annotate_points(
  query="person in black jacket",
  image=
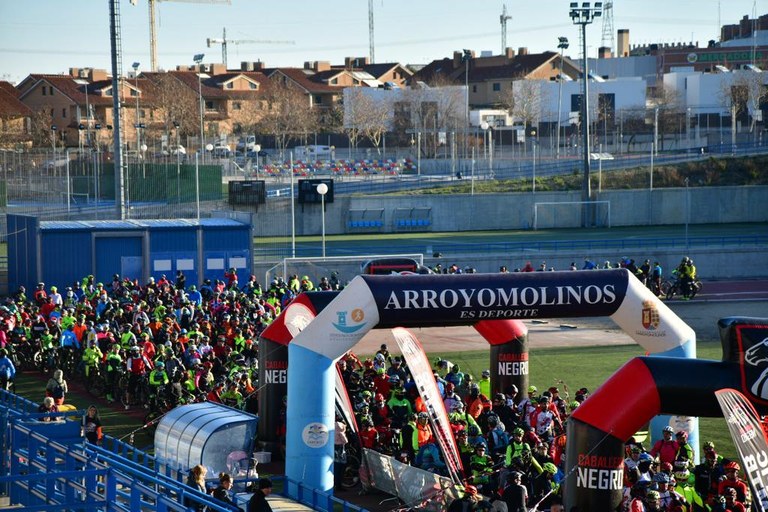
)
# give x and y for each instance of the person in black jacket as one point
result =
(258, 502)
(221, 492)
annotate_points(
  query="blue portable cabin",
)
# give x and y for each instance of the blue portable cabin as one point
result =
(62, 252)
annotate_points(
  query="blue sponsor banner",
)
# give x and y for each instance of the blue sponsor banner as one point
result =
(465, 299)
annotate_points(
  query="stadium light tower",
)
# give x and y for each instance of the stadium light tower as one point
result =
(198, 58)
(562, 45)
(584, 15)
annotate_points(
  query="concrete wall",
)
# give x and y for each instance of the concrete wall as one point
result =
(464, 212)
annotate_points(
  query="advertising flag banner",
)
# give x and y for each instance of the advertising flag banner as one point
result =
(747, 433)
(424, 378)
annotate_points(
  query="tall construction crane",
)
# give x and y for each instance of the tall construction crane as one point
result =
(503, 18)
(152, 25)
(607, 40)
(370, 32)
(224, 42)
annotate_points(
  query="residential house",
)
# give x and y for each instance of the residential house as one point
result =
(15, 118)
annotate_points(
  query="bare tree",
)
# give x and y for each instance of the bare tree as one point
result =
(667, 101)
(174, 102)
(747, 93)
(289, 115)
(370, 114)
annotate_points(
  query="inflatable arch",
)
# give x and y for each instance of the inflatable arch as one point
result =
(646, 386)
(445, 300)
(508, 360)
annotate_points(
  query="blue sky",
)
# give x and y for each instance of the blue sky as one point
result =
(50, 36)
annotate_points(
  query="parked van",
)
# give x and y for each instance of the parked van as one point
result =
(314, 152)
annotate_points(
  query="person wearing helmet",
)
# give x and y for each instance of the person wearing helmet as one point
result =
(158, 382)
(528, 404)
(546, 492)
(684, 450)
(398, 368)
(515, 494)
(91, 358)
(666, 448)
(733, 481)
(630, 462)
(409, 436)
(113, 363)
(423, 429)
(400, 407)
(682, 489)
(507, 414)
(137, 366)
(481, 465)
(653, 501)
(732, 502)
(517, 448)
(455, 376)
(468, 501)
(485, 383)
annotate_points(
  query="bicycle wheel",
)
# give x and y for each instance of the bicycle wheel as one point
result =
(96, 383)
(122, 389)
(671, 290)
(696, 288)
(351, 476)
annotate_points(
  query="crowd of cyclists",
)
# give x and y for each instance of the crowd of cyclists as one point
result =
(151, 346)
(156, 345)
(512, 447)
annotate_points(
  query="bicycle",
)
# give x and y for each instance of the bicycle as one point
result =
(675, 287)
(96, 382)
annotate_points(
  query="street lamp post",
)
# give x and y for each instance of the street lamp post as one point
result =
(135, 67)
(466, 57)
(322, 189)
(178, 164)
(198, 58)
(562, 46)
(584, 15)
(53, 144)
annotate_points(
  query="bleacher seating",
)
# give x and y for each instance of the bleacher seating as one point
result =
(341, 167)
(412, 219)
(366, 220)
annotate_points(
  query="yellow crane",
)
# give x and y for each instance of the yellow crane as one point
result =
(224, 42)
(152, 25)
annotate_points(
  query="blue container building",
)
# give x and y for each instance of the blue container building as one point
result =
(62, 252)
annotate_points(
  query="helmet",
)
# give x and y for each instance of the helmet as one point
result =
(645, 457)
(134, 350)
(423, 416)
(394, 379)
(160, 365)
(518, 431)
(666, 467)
(732, 465)
(550, 468)
(492, 420)
(500, 397)
(364, 394)
(709, 445)
(457, 406)
(653, 495)
(379, 397)
(470, 490)
(473, 430)
(486, 373)
(661, 478)
(682, 435)
(449, 387)
(681, 475)
(668, 429)
(532, 389)
(512, 390)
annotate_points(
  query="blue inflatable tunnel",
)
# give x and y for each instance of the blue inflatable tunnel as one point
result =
(218, 437)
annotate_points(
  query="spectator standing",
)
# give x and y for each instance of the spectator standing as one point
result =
(56, 387)
(7, 370)
(258, 502)
(92, 425)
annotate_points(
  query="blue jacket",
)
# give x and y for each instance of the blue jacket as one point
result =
(6, 368)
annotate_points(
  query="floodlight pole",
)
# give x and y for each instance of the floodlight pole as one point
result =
(562, 45)
(584, 15)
